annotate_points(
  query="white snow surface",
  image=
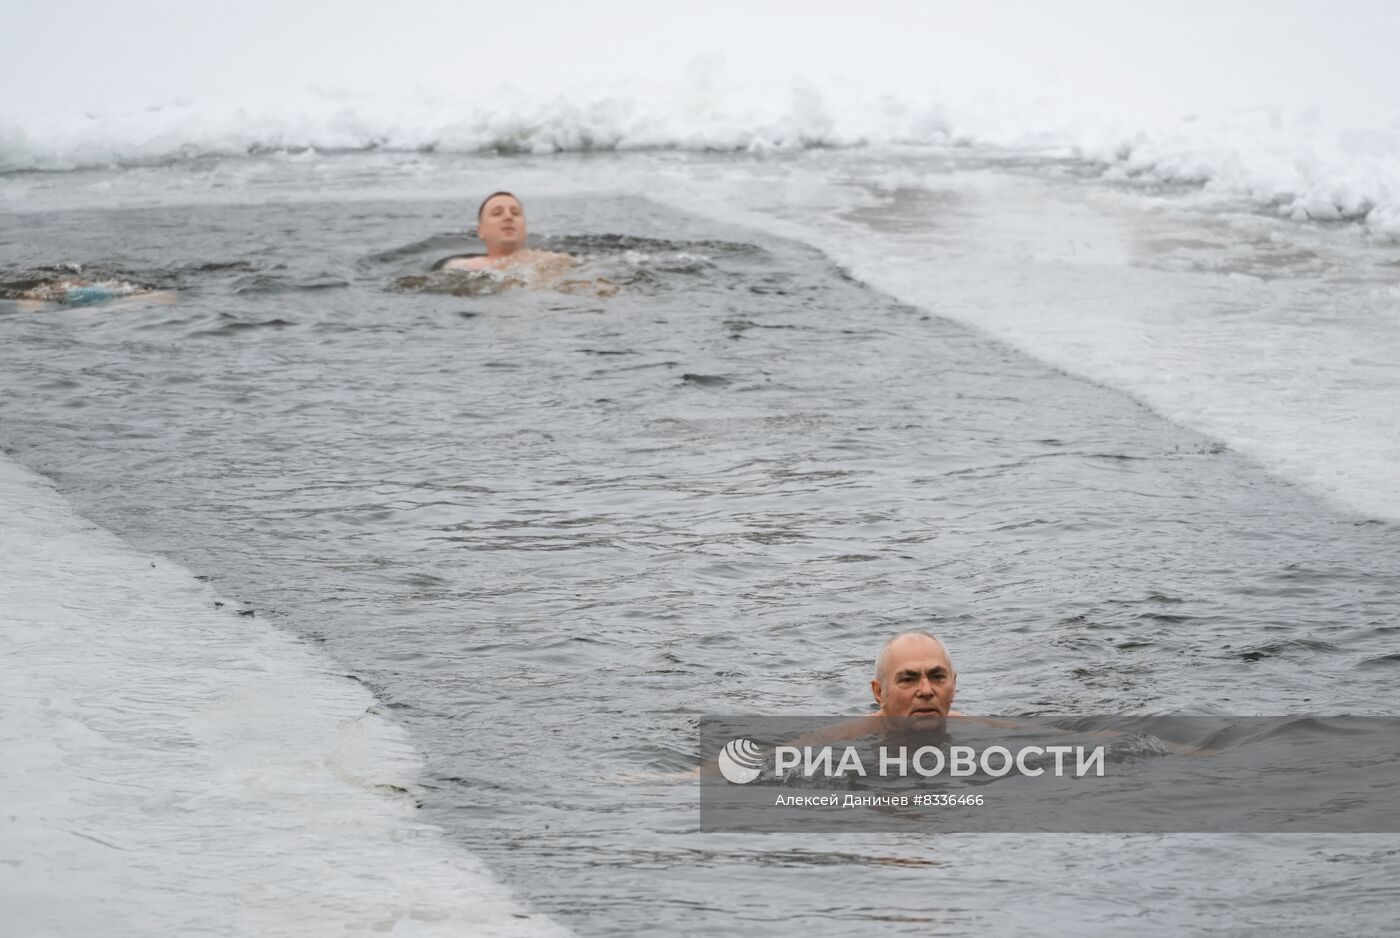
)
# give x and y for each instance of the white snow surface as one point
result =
(172, 768)
(1280, 340)
(1290, 104)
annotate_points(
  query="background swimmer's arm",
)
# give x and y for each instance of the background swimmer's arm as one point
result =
(132, 301)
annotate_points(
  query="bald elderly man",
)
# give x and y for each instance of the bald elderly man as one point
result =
(914, 682)
(914, 677)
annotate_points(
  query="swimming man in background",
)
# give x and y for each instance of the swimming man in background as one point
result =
(500, 224)
(67, 287)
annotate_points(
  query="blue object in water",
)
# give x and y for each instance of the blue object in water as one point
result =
(82, 296)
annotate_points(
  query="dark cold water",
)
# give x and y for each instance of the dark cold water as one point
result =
(551, 530)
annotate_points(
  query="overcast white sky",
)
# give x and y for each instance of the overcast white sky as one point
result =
(1183, 55)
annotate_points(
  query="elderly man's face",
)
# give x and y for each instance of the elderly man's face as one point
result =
(918, 681)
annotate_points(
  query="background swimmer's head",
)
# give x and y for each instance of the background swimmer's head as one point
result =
(500, 224)
(914, 676)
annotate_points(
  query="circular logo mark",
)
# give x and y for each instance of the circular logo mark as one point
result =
(740, 761)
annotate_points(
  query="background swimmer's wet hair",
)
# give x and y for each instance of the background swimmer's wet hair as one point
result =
(482, 207)
(882, 660)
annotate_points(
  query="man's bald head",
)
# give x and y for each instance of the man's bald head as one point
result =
(907, 641)
(914, 675)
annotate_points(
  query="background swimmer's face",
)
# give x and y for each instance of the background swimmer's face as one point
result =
(919, 679)
(502, 224)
